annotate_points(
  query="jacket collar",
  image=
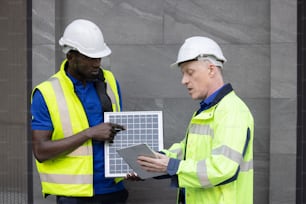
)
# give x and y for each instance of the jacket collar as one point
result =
(223, 91)
(226, 89)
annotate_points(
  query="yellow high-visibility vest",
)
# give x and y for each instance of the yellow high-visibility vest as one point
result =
(70, 174)
(217, 160)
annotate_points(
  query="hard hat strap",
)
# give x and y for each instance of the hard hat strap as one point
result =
(67, 48)
(211, 58)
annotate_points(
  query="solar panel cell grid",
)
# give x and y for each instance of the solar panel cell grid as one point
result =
(141, 127)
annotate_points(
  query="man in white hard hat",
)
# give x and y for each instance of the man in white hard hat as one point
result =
(68, 131)
(214, 162)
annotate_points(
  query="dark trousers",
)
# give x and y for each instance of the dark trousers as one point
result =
(119, 197)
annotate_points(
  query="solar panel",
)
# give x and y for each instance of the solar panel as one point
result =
(142, 127)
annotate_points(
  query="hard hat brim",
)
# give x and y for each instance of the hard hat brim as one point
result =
(106, 52)
(72, 46)
(174, 65)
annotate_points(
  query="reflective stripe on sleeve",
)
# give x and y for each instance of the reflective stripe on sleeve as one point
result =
(178, 152)
(202, 174)
(234, 156)
(246, 166)
(202, 171)
(229, 153)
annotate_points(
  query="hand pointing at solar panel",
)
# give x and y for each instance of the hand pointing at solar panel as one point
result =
(104, 131)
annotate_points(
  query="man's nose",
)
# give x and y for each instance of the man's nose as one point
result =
(184, 79)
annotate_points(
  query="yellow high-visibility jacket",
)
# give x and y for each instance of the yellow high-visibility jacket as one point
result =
(216, 154)
(70, 174)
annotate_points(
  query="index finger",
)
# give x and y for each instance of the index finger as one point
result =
(118, 127)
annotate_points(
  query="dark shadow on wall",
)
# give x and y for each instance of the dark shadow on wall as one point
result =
(301, 93)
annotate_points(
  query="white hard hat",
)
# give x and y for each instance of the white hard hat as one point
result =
(85, 37)
(200, 47)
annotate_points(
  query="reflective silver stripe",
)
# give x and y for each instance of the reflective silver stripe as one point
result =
(66, 179)
(62, 106)
(202, 174)
(81, 151)
(201, 129)
(65, 117)
(112, 97)
(235, 156)
(229, 153)
(178, 152)
(246, 166)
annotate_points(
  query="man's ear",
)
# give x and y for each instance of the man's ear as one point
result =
(69, 55)
(211, 69)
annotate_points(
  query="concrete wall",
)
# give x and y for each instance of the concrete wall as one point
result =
(258, 39)
(13, 104)
(283, 101)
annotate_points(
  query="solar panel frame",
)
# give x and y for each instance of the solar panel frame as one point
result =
(142, 127)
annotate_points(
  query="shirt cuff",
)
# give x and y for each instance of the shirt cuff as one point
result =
(173, 166)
